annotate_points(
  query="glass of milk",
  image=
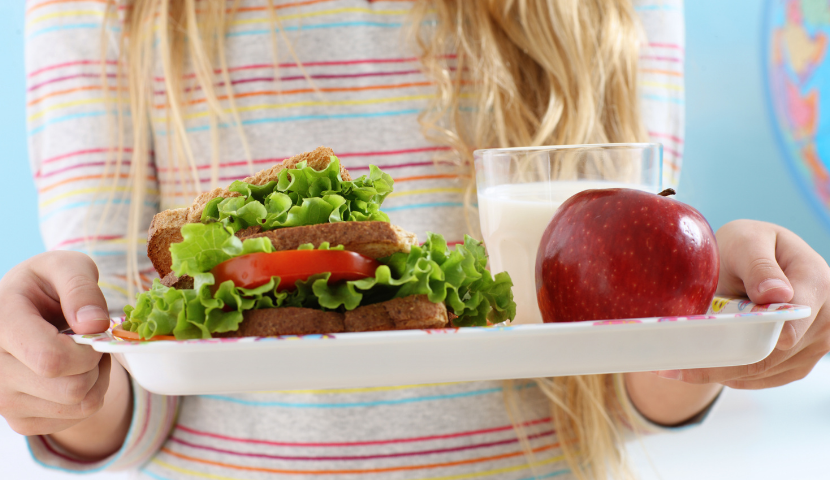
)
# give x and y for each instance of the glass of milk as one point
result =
(519, 190)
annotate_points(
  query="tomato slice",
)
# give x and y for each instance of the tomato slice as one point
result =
(132, 336)
(256, 269)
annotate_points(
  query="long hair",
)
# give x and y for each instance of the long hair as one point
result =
(529, 73)
(553, 72)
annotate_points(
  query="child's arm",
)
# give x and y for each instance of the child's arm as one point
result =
(77, 407)
(50, 384)
(769, 264)
(103, 433)
(668, 402)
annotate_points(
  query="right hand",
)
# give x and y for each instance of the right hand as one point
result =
(48, 382)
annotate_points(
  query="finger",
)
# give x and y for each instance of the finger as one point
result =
(809, 355)
(810, 276)
(73, 277)
(69, 390)
(22, 405)
(40, 347)
(725, 374)
(39, 426)
(783, 378)
(748, 253)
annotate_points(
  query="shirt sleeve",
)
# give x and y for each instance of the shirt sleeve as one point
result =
(153, 419)
(83, 196)
(661, 80)
(73, 134)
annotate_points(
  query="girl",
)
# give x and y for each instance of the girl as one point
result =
(179, 96)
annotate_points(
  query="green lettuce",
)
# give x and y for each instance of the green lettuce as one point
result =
(207, 245)
(199, 312)
(185, 313)
(303, 196)
(457, 278)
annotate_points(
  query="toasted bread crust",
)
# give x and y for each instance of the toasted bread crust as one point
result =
(416, 311)
(370, 318)
(318, 159)
(183, 282)
(288, 321)
(164, 231)
(166, 226)
(373, 239)
(413, 312)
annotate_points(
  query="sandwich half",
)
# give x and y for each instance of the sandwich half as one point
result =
(302, 248)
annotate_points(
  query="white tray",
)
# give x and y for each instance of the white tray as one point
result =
(735, 332)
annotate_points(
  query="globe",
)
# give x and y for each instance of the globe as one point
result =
(798, 87)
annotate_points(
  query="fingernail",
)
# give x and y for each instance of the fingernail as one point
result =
(771, 284)
(91, 313)
(670, 374)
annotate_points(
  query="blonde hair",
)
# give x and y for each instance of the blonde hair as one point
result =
(553, 72)
(535, 72)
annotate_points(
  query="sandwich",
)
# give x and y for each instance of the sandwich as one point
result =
(302, 248)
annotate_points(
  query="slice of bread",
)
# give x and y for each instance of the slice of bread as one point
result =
(271, 322)
(413, 312)
(373, 239)
(166, 226)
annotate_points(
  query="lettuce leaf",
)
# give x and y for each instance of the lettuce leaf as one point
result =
(303, 196)
(197, 312)
(457, 278)
(185, 313)
(207, 245)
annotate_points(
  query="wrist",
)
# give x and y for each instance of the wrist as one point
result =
(668, 402)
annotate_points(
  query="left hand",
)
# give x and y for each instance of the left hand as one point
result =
(771, 264)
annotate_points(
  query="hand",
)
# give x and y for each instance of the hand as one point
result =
(48, 382)
(770, 264)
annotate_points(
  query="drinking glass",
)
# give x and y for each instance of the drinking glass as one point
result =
(519, 190)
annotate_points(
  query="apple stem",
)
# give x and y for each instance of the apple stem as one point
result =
(667, 192)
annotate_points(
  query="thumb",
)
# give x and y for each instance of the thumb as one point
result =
(754, 264)
(768, 284)
(73, 278)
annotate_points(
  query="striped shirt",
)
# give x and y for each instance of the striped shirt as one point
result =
(370, 93)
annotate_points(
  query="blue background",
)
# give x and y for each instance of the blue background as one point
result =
(20, 238)
(733, 167)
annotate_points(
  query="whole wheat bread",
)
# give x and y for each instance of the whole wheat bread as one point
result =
(166, 226)
(412, 312)
(373, 239)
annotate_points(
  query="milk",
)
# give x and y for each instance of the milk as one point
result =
(513, 219)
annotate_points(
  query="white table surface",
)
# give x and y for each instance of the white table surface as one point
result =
(776, 434)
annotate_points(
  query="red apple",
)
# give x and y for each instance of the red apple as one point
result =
(622, 253)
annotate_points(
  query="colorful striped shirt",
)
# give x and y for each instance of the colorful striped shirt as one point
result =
(366, 95)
